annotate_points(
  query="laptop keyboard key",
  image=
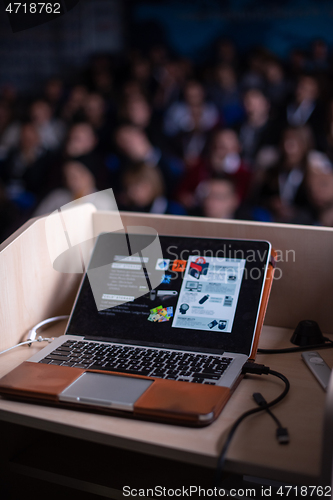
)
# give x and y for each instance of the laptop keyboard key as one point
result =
(59, 358)
(206, 375)
(122, 370)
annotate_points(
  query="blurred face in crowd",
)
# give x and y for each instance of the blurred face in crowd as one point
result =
(41, 112)
(78, 178)
(132, 89)
(158, 54)
(103, 80)
(133, 142)
(319, 180)
(29, 137)
(297, 59)
(307, 89)
(81, 141)
(54, 89)
(320, 187)
(141, 69)
(256, 105)
(221, 200)
(138, 111)
(320, 50)
(143, 186)
(194, 93)
(225, 142)
(78, 96)
(94, 108)
(5, 115)
(226, 50)
(295, 146)
(274, 72)
(226, 76)
(141, 193)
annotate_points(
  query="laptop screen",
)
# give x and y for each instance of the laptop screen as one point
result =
(185, 292)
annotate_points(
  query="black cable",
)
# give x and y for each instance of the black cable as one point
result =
(261, 401)
(282, 434)
(297, 349)
(257, 370)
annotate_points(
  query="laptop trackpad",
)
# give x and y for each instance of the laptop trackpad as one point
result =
(112, 391)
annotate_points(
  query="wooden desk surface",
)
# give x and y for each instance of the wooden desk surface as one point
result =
(254, 449)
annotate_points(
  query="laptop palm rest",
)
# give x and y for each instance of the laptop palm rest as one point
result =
(111, 391)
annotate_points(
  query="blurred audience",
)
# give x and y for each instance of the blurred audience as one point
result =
(243, 135)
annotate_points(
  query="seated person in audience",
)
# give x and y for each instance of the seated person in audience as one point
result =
(253, 77)
(319, 183)
(170, 77)
(189, 122)
(81, 140)
(27, 168)
(259, 129)
(82, 146)
(137, 111)
(95, 112)
(133, 145)
(79, 180)
(226, 52)
(73, 108)
(329, 129)
(54, 93)
(99, 76)
(9, 215)
(51, 130)
(219, 198)
(140, 71)
(144, 191)
(283, 188)
(306, 109)
(9, 130)
(278, 88)
(225, 94)
(319, 61)
(223, 158)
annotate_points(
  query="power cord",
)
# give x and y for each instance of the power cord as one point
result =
(298, 349)
(255, 369)
(33, 332)
(282, 434)
(28, 342)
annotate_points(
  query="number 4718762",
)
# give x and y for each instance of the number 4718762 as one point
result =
(33, 8)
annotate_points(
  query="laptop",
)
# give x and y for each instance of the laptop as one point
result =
(160, 329)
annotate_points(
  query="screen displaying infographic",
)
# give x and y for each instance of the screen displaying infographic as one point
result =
(209, 294)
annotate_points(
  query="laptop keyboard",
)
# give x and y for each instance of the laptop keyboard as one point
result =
(160, 363)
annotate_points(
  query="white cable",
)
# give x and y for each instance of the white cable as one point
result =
(33, 332)
(39, 339)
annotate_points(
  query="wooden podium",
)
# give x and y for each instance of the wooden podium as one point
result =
(31, 290)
